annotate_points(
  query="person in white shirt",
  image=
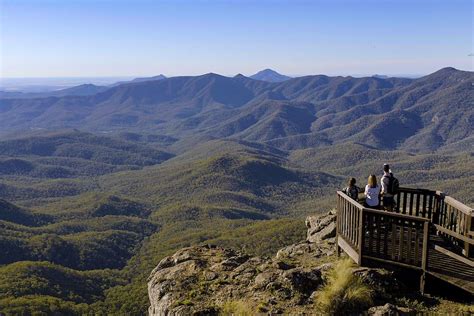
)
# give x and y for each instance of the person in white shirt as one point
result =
(387, 196)
(372, 193)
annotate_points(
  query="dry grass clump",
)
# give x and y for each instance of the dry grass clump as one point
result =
(344, 291)
(236, 308)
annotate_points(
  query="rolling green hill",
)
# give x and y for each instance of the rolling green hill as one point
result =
(233, 193)
(201, 196)
(64, 158)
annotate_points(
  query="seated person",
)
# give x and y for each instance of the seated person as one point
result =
(372, 193)
(352, 190)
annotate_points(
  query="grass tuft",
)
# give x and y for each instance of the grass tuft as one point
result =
(344, 291)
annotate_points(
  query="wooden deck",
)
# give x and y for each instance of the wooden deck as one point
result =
(428, 232)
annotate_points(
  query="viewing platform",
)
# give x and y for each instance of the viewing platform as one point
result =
(427, 231)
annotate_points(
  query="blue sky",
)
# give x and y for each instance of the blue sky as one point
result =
(140, 38)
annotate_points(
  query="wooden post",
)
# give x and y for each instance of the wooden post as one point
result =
(417, 208)
(439, 208)
(398, 202)
(338, 217)
(424, 258)
(361, 234)
(400, 244)
(404, 202)
(467, 229)
(422, 282)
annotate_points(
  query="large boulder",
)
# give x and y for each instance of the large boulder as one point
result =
(320, 241)
(321, 227)
(383, 282)
(201, 280)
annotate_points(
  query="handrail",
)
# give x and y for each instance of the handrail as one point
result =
(392, 214)
(351, 200)
(416, 190)
(458, 205)
(454, 234)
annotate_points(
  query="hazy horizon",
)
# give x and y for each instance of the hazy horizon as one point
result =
(86, 38)
(227, 75)
(43, 84)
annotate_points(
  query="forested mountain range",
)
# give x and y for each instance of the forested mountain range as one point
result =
(422, 114)
(96, 189)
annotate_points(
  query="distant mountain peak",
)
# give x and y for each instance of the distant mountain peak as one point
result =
(448, 69)
(211, 74)
(447, 73)
(158, 77)
(269, 75)
(140, 79)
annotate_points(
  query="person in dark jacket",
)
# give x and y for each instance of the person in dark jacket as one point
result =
(386, 184)
(352, 190)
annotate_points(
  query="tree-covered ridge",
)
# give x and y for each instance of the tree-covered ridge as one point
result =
(41, 287)
(70, 154)
(206, 197)
(424, 114)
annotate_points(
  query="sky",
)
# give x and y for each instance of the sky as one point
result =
(87, 38)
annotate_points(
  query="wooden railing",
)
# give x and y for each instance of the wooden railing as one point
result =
(455, 223)
(373, 234)
(349, 224)
(393, 237)
(417, 202)
(402, 236)
(452, 218)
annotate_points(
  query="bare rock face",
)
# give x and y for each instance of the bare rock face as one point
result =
(202, 280)
(321, 227)
(320, 241)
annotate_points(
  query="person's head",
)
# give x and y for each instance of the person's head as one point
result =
(386, 167)
(372, 181)
(352, 182)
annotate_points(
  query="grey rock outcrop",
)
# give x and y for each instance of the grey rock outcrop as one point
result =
(203, 280)
(321, 227)
(197, 280)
